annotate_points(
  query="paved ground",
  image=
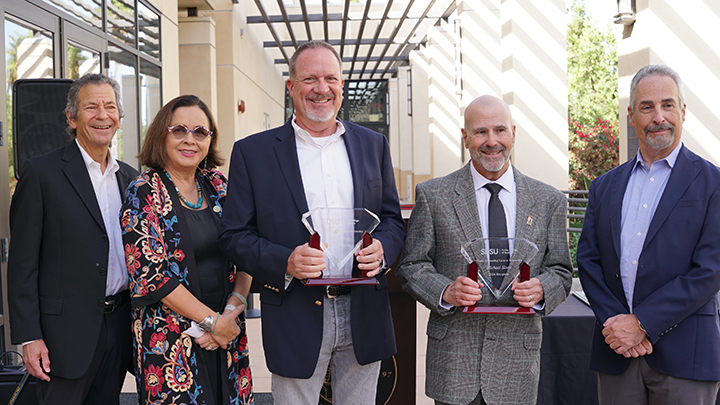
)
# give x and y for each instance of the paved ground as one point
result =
(261, 375)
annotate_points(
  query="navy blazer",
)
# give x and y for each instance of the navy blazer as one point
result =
(262, 225)
(58, 258)
(676, 292)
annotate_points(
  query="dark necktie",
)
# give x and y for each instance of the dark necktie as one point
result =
(497, 228)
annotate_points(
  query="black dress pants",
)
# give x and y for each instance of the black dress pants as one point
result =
(103, 380)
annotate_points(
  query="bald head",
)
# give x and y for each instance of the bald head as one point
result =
(487, 105)
(489, 135)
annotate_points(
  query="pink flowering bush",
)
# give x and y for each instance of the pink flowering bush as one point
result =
(593, 150)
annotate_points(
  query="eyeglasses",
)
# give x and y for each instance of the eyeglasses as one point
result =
(180, 131)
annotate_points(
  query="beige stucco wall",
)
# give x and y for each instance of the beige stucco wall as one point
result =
(420, 130)
(169, 47)
(244, 75)
(394, 127)
(222, 61)
(411, 143)
(405, 139)
(511, 49)
(535, 85)
(196, 36)
(686, 37)
(257, 80)
(443, 103)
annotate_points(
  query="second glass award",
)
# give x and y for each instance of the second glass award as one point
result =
(496, 263)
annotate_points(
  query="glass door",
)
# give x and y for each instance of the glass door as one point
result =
(30, 46)
(84, 51)
(29, 54)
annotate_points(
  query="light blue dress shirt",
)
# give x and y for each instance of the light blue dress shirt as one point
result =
(642, 195)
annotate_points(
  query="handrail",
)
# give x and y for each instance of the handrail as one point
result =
(576, 207)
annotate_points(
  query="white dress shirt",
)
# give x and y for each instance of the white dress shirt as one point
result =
(325, 169)
(107, 193)
(326, 175)
(507, 196)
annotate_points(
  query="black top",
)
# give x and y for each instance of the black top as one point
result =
(209, 262)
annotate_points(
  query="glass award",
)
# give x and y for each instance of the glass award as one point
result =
(339, 233)
(496, 263)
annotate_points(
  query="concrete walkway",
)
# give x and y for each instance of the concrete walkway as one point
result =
(261, 375)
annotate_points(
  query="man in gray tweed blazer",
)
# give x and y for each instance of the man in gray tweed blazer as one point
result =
(477, 358)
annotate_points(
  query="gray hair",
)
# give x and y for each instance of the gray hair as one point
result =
(314, 44)
(659, 70)
(95, 79)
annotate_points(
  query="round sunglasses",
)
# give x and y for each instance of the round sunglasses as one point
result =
(180, 131)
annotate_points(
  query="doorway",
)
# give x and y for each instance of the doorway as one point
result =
(37, 44)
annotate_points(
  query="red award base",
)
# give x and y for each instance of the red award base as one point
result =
(498, 310)
(362, 280)
(479, 309)
(340, 281)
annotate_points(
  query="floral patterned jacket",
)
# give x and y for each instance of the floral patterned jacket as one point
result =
(167, 366)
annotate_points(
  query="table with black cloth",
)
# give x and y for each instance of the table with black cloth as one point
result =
(565, 356)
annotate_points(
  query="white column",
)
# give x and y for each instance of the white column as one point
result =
(534, 84)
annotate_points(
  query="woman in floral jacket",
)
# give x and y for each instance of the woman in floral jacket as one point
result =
(190, 342)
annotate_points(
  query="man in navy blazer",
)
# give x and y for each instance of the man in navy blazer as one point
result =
(649, 259)
(314, 160)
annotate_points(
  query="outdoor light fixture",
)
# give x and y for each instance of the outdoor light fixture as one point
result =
(626, 12)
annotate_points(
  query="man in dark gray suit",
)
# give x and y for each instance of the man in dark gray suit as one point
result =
(478, 358)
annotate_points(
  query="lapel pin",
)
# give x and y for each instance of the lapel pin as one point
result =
(529, 220)
(216, 209)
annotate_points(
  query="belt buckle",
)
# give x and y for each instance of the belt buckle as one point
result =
(341, 290)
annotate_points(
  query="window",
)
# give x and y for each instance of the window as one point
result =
(150, 95)
(148, 31)
(82, 61)
(123, 69)
(89, 11)
(29, 54)
(121, 20)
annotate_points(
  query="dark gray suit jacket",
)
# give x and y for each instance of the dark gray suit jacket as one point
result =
(467, 352)
(58, 258)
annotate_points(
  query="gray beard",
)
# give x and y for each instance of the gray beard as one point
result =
(488, 164)
(493, 166)
(314, 117)
(660, 142)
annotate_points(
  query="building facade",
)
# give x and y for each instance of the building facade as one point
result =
(513, 49)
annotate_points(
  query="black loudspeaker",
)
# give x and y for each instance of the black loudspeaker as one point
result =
(38, 112)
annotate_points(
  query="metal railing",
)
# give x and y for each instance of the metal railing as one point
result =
(577, 206)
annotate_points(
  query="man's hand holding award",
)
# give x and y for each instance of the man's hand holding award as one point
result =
(339, 233)
(495, 263)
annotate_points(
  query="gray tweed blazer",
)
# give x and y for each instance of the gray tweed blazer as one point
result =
(467, 352)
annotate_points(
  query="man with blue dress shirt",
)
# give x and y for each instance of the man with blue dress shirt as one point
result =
(649, 259)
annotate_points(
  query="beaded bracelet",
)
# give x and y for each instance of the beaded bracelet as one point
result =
(215, 323)
(240, 297)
